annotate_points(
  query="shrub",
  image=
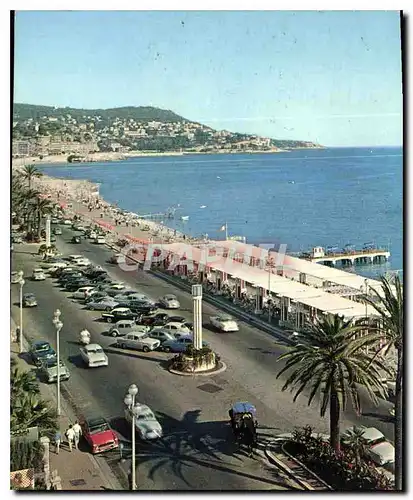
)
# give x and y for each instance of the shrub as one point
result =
(340, 471)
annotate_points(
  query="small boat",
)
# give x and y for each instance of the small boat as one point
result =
(202, 206)
(185, 217)
(218, 177)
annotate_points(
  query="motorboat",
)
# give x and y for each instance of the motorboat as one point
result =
(185, 217)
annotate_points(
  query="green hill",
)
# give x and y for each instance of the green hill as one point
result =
(139, 113)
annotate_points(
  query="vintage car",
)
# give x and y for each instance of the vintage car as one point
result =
(139, 341)
(38, 275)
(48, 370)
(179, 344)
(224, 323)
(169, 302)
(93, 356)
(124, 326)
(83, 292)
(15, 277)
(98, 434)
(29, 300)
(378, 449)
(174, 327)
(119, 313)
(100, 240)
(76, 240)
(41, 350)
(100, 302)
(146, 424)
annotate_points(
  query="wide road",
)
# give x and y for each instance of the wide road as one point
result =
(195, 453)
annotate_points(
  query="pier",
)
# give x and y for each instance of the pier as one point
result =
(347, 257)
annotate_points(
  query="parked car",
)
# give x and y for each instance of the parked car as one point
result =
(158, 319)
(72, 258)
(124, 326)
(169, 302)
(94, 356)
(174, 328)
(29, 300)
(82, 292)
(118, 258)
(15, 277)
(119, 313)
(57, 231)
(38, 275)
(161, 335)
(53, 262)
(101, 304)
(72, 286)
(224, 323)
(176, 319)
(146, 424)
(180, 344)
(139, 341)
(70, 276)
(100, 240)
(41, 350)
(81, 262)
(76, 240)
(96, 294)
(378, 449)
(48, 370)
(124, 295)
(98, 434)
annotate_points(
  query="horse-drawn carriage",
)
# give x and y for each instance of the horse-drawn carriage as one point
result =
(243, 420)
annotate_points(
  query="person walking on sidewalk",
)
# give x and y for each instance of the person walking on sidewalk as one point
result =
(70, 436)
(57, 441)
(78, 432)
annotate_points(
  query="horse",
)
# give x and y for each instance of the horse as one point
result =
(248, 434)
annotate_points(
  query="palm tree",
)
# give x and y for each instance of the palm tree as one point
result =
(390, 307)
(29, 410)
(21, 383)
(331, 361)
(354, 439)
(43, 207)
(29, 173)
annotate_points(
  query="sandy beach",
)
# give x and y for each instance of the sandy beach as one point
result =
(81, 197)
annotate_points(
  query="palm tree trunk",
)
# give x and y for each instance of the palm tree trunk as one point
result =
(398, 429)
(334, 420)
(39, 220)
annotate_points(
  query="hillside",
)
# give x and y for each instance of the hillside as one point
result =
(139, 113)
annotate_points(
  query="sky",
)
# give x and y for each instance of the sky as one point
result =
(331, 77)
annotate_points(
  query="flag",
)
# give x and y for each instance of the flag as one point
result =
(223, 228)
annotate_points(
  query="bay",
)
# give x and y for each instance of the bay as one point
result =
(303, 198)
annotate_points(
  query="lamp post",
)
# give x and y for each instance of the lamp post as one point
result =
(197, 309)
(21, 283)
(130, 403)
(59, 325)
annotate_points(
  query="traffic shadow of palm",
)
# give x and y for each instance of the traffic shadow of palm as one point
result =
(188, 443)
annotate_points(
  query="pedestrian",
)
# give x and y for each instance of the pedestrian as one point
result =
(57, 441)
(18, 335)
(70, 436)
(78, 432)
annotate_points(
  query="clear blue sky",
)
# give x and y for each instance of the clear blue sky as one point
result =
(329, 77)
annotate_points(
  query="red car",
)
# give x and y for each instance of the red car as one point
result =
(99, 435)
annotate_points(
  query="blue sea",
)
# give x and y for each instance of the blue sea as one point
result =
(303, 198)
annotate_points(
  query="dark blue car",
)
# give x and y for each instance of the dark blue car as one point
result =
(180, 344)
(41, 350)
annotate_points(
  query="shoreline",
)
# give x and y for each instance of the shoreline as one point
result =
(58, 160)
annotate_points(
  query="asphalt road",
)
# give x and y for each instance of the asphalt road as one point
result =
(196, 452)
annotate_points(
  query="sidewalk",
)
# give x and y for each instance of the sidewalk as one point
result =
(78, 470)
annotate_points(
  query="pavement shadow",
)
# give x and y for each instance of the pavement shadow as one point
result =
(150, 356)
(77, 361)
(188, 443)
(25, 356)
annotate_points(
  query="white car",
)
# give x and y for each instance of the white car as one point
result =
(67, 222)
(72, 258)
(100, 240)
(224, 323)
(82, 262)
(38, 275)
(174, 327)
(139, 341)
(93, 355)
(102, 304)
(82, 292)
(93, 235)
(15, 278)
(118, 285)
(146, 424)
(378, 449)
(169, 302)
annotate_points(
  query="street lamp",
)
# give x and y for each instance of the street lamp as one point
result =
(130, 403)
(21, 283)
(59, 325)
